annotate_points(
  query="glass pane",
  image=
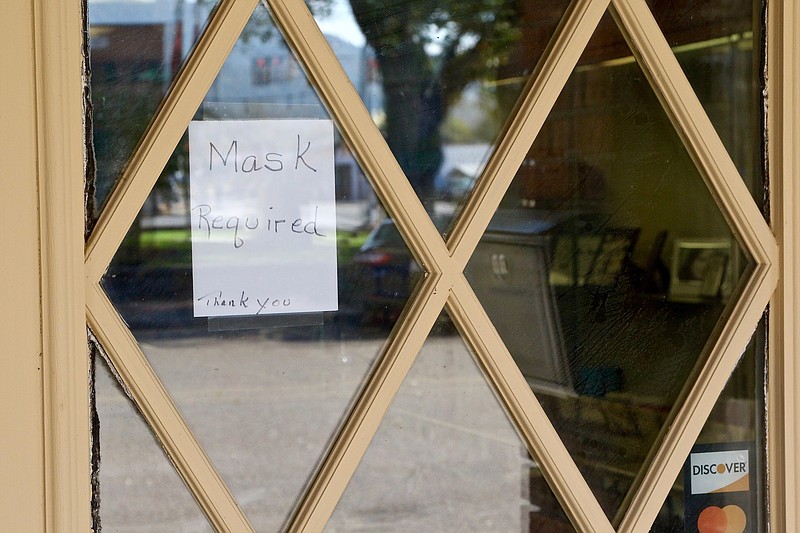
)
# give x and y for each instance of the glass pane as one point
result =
(717, 45)
(139, 488)
(737, 422)
(136, 49)
(263, 393)
(607, 267)
(440, 79)
(446, 458)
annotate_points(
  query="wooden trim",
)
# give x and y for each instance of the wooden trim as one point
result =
(525, 411)
(401, 202)
(360, 133)
(783, 134)
(543, 442)
(718, 170)
(383, 382)
(139, 176)
(698, 401)
(548, 80)
(444, 266)
(164, 133)
(22, 506)
(689, 118)
(59, 93)
(162, 416)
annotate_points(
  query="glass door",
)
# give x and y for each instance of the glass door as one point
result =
(427, 266)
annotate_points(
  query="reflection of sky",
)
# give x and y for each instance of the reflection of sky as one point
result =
(341, 23)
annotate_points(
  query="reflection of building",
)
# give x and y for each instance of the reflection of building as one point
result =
(127, 35)
(267, 72)
(136, 50)
(461, 165)
(152, 38)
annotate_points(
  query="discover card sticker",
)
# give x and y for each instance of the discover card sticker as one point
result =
(719, 489)
(726, 471)
(263, 217)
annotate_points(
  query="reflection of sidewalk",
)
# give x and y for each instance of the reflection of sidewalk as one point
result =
(264, 409)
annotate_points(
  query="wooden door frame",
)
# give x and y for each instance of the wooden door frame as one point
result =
(44, 382)
(21, 408)
(44, 386)
(783, 136)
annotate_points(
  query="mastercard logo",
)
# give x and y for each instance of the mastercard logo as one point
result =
(729, 519)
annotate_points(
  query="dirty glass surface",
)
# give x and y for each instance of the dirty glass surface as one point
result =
(608, 267)
(440, 80)
(263, 394)
(446, 457)
(135, 50)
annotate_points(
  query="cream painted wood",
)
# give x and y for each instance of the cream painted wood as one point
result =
(59, 122)
(163, 417)
(359, 428)
(149, 158)
(783, 128)
(400, 201)
(695, 129)
(525, 412)
(58, 147)
(376, 158)
(548, 80)
(22, 505)
(361, 133)
(687, 115)
(544, 444)
(718, 170)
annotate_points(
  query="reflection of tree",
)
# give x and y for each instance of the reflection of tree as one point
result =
(428, 52)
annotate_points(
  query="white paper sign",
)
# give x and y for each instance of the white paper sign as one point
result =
(263, 217)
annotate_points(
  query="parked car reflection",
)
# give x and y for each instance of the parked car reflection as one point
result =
(386, 271)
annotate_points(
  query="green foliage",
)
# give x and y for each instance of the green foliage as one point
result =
(168, 247)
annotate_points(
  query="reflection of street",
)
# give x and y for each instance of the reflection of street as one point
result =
(445, 458)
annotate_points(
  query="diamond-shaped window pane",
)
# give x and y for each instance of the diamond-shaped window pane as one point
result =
(607, 267)
(736, 423)
(716, 44)
(137, 485)
(446, 458)
(263, 394)
(135, 51)
(440, 80)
